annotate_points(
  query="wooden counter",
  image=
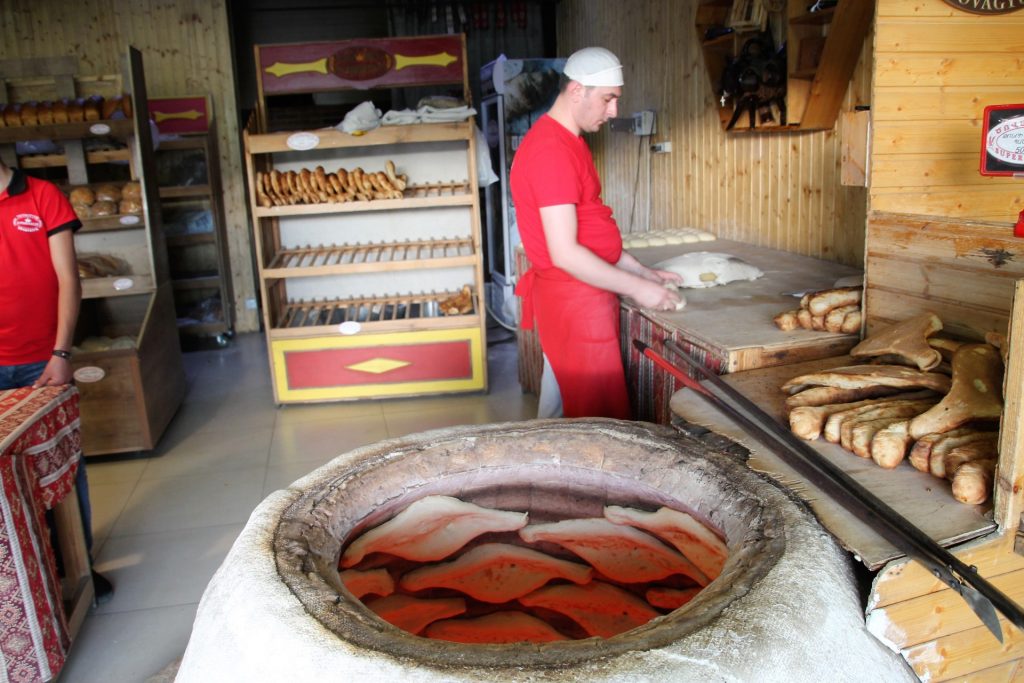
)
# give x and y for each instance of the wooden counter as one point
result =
(729, 327)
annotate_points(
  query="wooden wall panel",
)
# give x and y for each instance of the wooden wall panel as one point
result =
(781, 191)
(186, 50)
(936, 69)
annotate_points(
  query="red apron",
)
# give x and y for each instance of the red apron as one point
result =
(578, 326)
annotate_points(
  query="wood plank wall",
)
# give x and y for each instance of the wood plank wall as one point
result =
(186, 50)
(776, 190)
(936, 69)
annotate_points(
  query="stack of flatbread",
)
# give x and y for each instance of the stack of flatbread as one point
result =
(935, 399)
(452, 570)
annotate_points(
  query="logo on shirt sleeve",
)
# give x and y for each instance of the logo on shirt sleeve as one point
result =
(28, 222)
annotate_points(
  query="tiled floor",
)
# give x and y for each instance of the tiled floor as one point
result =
(163, 523)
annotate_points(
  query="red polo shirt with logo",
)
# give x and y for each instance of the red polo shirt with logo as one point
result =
(31, 210)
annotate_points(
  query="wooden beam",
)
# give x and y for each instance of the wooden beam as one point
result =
(935, 615)
(905, 579)
(1009, 487)
(842, 50)
(959, 654)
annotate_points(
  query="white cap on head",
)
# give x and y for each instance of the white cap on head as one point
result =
(594, 66)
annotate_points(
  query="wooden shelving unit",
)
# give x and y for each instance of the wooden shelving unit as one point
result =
(192, 201)
(129, 390)
(377, 298)
(822, 49)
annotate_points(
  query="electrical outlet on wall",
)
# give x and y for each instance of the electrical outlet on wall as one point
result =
(643, 122)
(621, 125)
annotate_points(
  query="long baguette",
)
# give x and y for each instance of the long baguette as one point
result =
(972, 483)
(889, 446)
(822, 302)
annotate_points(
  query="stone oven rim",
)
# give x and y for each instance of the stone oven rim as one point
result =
(307, 571)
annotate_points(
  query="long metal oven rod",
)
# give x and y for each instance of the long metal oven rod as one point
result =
(982, 597)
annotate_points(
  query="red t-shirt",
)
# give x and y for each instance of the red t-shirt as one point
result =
(30, 211)
(553, 167)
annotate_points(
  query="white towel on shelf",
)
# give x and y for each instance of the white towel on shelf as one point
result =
(401, 117)
(430, 114)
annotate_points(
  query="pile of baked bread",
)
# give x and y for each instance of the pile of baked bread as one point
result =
(828, 310)
(934, 399)
(108, 199)
(458, 304)
(67, 110)
(276, 188)
(101, 265)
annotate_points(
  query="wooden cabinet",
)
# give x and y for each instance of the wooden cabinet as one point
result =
(816, 55)
(127, 359)
(376, 294)
(191, 201)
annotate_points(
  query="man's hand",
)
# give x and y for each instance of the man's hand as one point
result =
(669, 276)
(56, 373)
(655, 296)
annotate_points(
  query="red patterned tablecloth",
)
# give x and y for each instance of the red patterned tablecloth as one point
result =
(40, 450)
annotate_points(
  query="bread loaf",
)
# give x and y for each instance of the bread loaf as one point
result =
(972, 483)
(60, 111)
(76, 111)
(45, 112)
(30, 114)
(132, 190)
(104, 208)
(108, 193)
(82, 195)
(110, 105)
(92, 108)
(822, 302)
(83, 211)
(12, 115)
(132, 206)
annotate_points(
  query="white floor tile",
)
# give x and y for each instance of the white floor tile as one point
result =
(108, 502)
(163, 569)
(317, 441)
(211, 451)
(342, 410)
(116, 472)
(424, 417)
(128, 647)
(191, 502)
(231, 411)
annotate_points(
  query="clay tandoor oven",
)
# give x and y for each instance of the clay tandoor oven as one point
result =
(783, 606)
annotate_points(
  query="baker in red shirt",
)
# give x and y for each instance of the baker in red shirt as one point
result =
(578, 267)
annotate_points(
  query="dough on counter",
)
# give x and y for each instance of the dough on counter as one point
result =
(657, 241)
(706, 236)
(640, 242)
(674, 238)
(707, 269)
(690, 238)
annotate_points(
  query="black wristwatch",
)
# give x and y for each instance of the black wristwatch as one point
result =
(61, 353)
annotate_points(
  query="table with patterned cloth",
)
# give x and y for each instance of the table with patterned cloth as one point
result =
(40, 451)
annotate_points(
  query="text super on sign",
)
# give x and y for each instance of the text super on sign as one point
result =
(1002, 145)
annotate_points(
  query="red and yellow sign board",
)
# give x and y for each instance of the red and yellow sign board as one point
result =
(361, 64)
(378, 365)
(175, 115)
